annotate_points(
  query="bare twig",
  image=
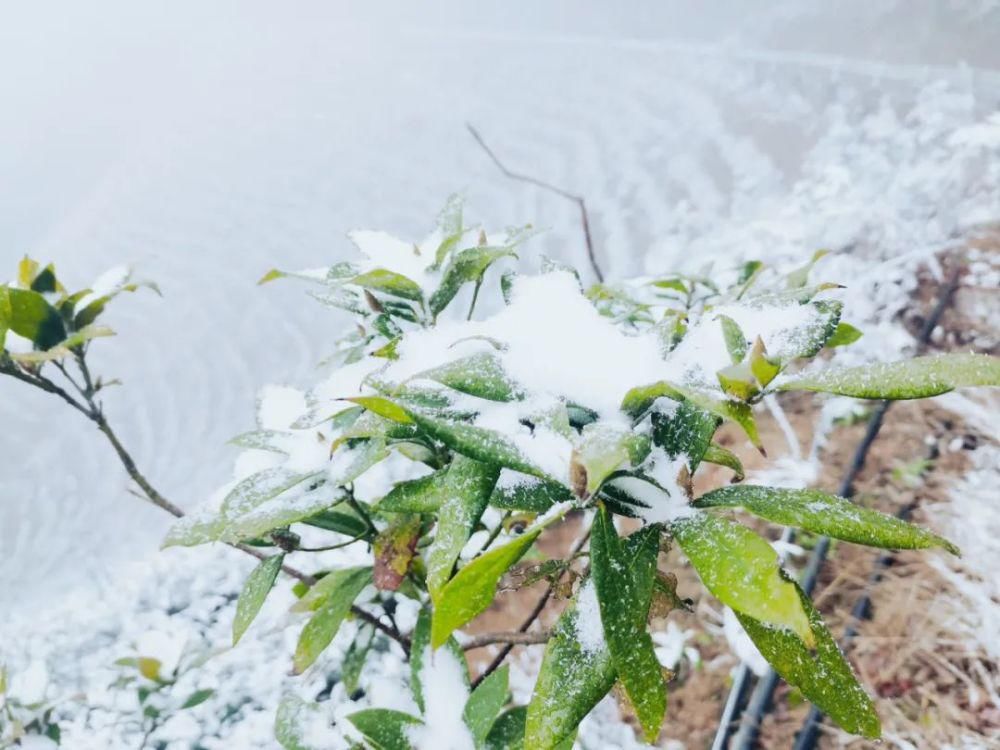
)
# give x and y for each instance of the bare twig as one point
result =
(39, 381)
(578, 199)
(514, 638)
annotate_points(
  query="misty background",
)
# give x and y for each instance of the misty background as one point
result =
(204, 145)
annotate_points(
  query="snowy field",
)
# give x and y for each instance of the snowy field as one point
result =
(206, 146)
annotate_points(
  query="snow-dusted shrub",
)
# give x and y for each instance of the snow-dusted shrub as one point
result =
(599, 402)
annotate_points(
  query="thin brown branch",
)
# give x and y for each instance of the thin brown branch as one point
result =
(516, 638)
(578, 199)
(532, 616)
(127, 461)
(39, 381)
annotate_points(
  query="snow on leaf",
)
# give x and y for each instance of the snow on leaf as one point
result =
(466, 489)
(517, 491)
(293, 723)
(820, 671)
(385, 729)
(826, 514)
(822, 513)
(341, 591)
(920, 377)
(571, 681)
(623, 574)
(481, 375)
(254, 592)
(480, 443)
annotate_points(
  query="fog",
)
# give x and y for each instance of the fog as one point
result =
(206, 145)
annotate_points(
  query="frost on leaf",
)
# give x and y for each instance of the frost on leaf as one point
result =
(825, 514)
(742, 571)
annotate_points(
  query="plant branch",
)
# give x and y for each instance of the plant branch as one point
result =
(39, 381)
(584, 218)
(518, 638)
(532, 616)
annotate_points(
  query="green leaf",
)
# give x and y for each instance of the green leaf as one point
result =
(90, 313)
(389, 282)
(347, 465)
(623, 574)
(251, 492)
(820, 513)
(742, 571)
(508, 732)
(674, 284)
(320, 591)
(254, 592)
(638, 400)
(450, 227)
(571, 681)
(292, 721)
(488, 446)
(738, 381)
(736, 341)
(342, 587)
(465, 266)
(525, 492)
(484, 704)
(198, 697)
(383, 407)
(263, 501)
(479, 375)
(466, 491)
(420, 495)
(687, 431)
(339, 521)
(30, 315)
(354, 660)
(601, 450)
(843, 335)
(472, 589)
(800, 277)
(763, 369)
(45, 281)
(383, 728)
(262, 440)
(920, 377)
(716, 454)
(813, 336)
(820, 672)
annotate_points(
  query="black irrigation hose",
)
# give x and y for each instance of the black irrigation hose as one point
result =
(760, 699)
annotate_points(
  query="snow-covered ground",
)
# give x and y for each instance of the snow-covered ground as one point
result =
(206, 146)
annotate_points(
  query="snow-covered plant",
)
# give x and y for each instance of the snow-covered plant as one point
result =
(26, 717)
(444, 446)
(155, 683)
